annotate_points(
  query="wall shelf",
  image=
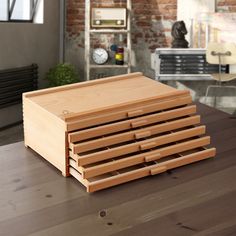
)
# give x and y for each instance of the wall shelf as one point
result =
(89, 31)
(109, 31)
(108, 66)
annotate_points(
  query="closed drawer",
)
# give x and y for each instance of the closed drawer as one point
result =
(126, 112)
(141, 170)
(136, 134)
(111, 152)
(124, 125)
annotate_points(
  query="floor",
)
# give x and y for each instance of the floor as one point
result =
(197, 199)
(11, 134)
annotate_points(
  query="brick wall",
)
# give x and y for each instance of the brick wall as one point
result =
(226, 5)
(151, 25)
(151, 21)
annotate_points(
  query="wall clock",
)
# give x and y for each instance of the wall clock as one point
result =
(100, 56)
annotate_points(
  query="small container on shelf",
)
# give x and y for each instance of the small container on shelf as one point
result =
(120, 56)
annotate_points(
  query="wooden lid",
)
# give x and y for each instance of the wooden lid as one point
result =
(98, 94)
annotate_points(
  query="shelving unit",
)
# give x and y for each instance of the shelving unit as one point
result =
(89, 31)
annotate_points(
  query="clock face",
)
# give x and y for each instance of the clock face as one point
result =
(100, 56)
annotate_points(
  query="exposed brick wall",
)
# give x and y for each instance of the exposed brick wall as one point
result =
(75, 12)
(151, 20)
(226, 5)
(151, 24)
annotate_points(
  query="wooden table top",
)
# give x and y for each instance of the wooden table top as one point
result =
(197, 199)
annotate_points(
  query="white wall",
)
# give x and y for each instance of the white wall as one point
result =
(192, 10)
(26, 43)
(22, 44)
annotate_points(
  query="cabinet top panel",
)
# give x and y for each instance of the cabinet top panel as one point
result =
(99, 94)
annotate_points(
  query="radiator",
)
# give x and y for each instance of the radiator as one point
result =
(14, 82)
(184, 64)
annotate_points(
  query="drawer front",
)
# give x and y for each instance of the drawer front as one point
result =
(115, 127)
(96, 156)
(99, 118)
(159, 153)
(139, 171)
(106, 149)
(134, 134)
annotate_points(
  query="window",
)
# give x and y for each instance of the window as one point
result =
(20, 10)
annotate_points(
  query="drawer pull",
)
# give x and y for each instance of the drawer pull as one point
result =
(158, 170)
(138, 123)
(147, 145)
(153, 157)
(135, 113)
(142, 134)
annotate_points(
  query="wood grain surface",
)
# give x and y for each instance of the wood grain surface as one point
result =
(97, 94)
(197, 199)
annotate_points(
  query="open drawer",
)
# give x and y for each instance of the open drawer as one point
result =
(109, 152)
(95, 169)
(141, 170)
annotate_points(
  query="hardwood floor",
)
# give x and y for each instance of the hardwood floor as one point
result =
(11, 134)
(198, 199)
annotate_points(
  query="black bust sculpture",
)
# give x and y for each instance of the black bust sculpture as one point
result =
(178, 33)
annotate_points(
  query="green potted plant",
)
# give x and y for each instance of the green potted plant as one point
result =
(62, 74)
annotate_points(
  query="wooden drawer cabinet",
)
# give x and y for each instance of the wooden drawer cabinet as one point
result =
(110, 131)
